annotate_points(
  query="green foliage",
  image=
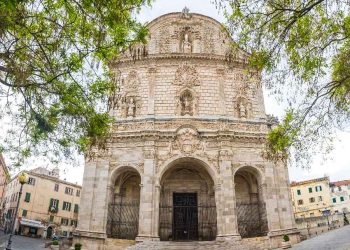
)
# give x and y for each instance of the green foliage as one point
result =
(286, 237)
(55, 242)
(77, 246)
(280, 138)
(302, 49)
(54, 75)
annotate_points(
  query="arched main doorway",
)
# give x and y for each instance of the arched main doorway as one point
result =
(251, 209)
(124, 204)
(187, 202)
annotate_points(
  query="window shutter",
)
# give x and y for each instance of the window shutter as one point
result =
(69, 207)
(57, 205)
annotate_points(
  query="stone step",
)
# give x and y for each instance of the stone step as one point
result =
(257, 244)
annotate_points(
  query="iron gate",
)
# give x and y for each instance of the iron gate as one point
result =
(252, 220)
(123, 220)
(185, 220)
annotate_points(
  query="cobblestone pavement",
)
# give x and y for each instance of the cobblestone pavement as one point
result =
(338, 239)
(22, 243)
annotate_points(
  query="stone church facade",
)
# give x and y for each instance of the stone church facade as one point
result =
(183, 161)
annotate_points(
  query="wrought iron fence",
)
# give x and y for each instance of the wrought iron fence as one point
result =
(252, 219)
(123, 220)
(200, 222)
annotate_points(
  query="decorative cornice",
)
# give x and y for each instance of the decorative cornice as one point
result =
(182, 56)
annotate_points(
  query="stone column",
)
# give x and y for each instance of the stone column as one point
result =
(100, 197)
(151, 87)
(91, 230)
(221, 77)
(225, 200)
(85, 206)
(149, 208)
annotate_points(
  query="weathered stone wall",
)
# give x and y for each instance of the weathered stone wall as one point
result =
(186, 100)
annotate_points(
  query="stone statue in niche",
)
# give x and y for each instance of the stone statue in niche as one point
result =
(186, 101)
(242, 111)
(243, 107)
(186, 44)
(131, 108)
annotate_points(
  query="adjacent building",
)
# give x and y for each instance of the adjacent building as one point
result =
(311, 198)
(340, 193)
(4, 180)
(48, 205)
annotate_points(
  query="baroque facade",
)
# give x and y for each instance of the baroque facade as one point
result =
(183, 161)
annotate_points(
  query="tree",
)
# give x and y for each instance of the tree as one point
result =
(302, 49)
(54, 77)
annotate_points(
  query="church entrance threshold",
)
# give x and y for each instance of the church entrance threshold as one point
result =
(185, 216)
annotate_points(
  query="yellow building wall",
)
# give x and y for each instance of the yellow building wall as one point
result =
(308, 208)
(40, 195)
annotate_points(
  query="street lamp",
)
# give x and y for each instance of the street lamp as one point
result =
(22, 178)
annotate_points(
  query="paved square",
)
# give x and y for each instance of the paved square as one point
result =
(337, 239)
(22, 243)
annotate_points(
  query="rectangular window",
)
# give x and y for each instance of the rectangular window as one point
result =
(69, 191)
(53, 205)
(310, 190)
(300, 202)
(31, 181)
(78, 193)
(319, 198)
(341, 198)
(334, 200)
(52, 218)
(24, 213)
(73, 223)
(298, 192)
(56, 187)
(64, 221)
(27, 197)
(66, 206)
(312, 199)
(65, 233)
(339, 188)
(76, 208)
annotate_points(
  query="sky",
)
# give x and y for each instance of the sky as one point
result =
(336, 167)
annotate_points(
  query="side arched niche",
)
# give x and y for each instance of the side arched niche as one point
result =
(250, 205)
(124, 204)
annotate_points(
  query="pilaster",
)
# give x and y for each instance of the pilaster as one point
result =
(151, 87)
(149, 198)
(225, 200)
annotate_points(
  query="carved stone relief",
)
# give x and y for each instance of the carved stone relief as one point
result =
(186, 75)
(243, 107)
(226, 154)
(165, 41)
(208, 42)
(127, 101)
(186, 103)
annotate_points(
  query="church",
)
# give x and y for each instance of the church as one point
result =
(184, 159)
